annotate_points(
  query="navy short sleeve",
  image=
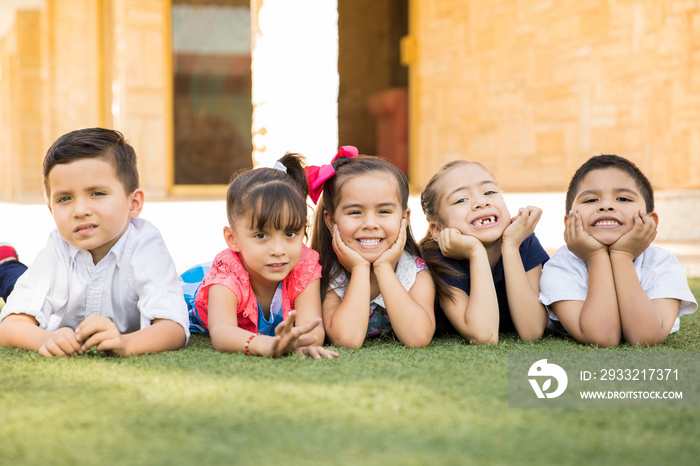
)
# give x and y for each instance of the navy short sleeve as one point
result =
(532, 254)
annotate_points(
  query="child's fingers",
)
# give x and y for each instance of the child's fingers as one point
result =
(287, 324)
(647, 220)
(318, 352)
(52, 348)
(109, 343)
(648, 226)
(94, 330)
(326, 353)
(62, 342)
(534, 213)
(638, 224)
(576, 228)
(448, 236)
(338, 244)
(98, 338)
(44, 351)
(70, 345)
(335, 234)
(442, 239)
(92, 325)
(400, 242)
(402, 233)
(515, 218)
(334, 240)
(277, 348)
(305, 340)
(578, 223)
(306, 328)
(310, 350)
(570, 227)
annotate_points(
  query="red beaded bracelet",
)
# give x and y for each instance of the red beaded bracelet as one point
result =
(247, 343)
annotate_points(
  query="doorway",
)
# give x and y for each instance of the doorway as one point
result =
(212, 105)
(369, 64)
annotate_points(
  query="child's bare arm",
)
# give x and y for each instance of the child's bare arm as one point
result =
(23, 331)
(346, 320)
(596, 320)
(411, 313)
(227, 336)
(644, 321)
(523, 288)
(474, 316)
(102, 334)
(308, 309)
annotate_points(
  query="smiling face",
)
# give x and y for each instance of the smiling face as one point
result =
(89, 205)
(268, 254)
(470, 201)
(607, 200)
(368, 214)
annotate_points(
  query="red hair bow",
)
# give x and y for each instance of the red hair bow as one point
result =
(318, 175)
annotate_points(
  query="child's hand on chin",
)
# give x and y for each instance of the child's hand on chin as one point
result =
(579, 242)
(392, 255)
(522, 225)
(347, 257)
(455, 245)
(638, 239)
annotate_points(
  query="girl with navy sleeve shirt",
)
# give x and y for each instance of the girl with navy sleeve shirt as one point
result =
(487, 265)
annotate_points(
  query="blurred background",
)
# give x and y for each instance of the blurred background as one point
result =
(202, 88)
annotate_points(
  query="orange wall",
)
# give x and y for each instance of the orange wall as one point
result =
(532, 88)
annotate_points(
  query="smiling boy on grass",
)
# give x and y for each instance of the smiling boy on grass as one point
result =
(609, 284)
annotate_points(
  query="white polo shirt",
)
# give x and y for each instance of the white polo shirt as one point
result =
(565, 277)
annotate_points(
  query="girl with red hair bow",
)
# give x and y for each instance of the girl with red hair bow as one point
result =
(374, 280)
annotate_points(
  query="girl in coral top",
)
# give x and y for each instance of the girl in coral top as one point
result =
(262, 294)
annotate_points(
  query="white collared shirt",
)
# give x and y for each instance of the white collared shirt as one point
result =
(135, 283)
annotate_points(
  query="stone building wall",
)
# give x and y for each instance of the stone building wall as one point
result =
(534, 88)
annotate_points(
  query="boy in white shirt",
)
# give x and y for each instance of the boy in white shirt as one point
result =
(105, 278)
(609, 284)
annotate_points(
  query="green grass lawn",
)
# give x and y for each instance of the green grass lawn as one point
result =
(383, 404)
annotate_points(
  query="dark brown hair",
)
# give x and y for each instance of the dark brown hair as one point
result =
(107, 144)
(269, 196)
(601, 162)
